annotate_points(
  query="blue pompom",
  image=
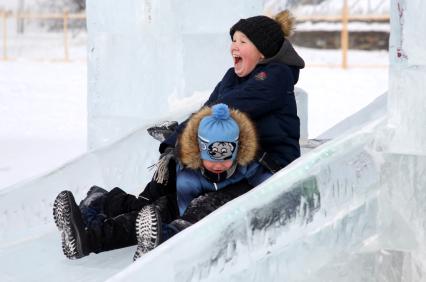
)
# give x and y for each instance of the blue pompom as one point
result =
(221, 111)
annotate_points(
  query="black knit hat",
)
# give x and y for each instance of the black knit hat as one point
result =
(265, 33)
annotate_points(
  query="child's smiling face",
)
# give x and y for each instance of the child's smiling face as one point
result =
(245, 54)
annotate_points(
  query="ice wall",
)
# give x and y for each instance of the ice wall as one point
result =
(142, 52)
(407, 105)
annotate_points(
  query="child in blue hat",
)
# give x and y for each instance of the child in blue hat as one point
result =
(217, 148)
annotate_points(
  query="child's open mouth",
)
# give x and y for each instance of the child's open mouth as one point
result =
(237, 59)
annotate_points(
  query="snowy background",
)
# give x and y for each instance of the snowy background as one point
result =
(44, 117)
(43, 105)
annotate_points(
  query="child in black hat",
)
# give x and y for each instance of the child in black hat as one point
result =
(261, 84)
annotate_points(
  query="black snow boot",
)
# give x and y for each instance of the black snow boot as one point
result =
(148, 230)
(68, 219)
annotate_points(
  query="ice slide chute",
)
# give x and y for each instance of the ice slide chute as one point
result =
(28, 233)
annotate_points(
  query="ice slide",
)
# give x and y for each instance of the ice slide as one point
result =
(29, 240)
(30, 243)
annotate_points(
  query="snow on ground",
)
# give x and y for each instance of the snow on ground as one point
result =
(43, 117)
(333, 93)
(43, 106)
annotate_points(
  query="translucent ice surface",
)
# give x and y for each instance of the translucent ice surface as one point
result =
(407, 104)
(144, 51)
(292, 226)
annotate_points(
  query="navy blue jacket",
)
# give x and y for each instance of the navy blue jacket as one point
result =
(267, 96)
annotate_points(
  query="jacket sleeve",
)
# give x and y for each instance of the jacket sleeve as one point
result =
(265, 91)
(188, 187)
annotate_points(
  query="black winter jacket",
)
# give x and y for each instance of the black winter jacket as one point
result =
(267, 96)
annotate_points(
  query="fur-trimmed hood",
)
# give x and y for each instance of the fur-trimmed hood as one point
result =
(188, 149)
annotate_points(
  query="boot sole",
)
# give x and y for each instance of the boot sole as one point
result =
(148, 230)
(62, 211)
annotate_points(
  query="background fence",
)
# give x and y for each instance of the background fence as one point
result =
(19, 44)
(45, 37)
(344, 19)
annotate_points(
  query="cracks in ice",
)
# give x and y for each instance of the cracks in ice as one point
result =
(400, 53)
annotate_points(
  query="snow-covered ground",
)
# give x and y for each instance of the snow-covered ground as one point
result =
(43, 106)
(333, 93)
(43, 117)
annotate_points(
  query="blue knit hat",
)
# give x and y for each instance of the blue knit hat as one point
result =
(218, 135)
